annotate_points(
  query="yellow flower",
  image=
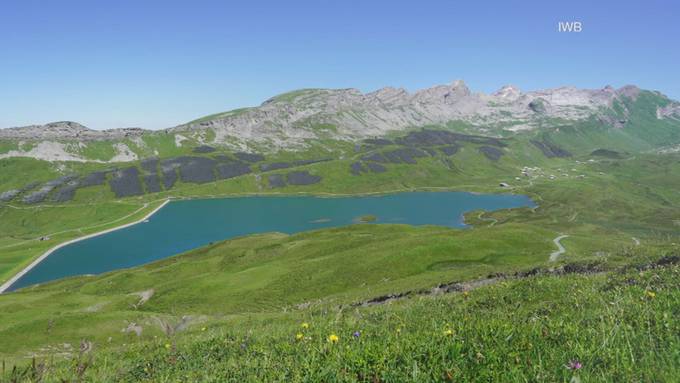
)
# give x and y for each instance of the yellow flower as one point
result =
(651, 294)
(448, 332)
(333, 338)
(305, 325)
(203, 328)
(465, 294)
(167, 345)
(299, 336)
(398, 331)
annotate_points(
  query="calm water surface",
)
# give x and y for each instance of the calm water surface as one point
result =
(185, 225)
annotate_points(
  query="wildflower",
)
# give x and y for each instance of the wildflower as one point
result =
(574, 365)
(356, 334)
(167, 345)
(333, 338)
(466, 294)
(305, 325)
(299, 336)
(651, 294)
(448, 332)
(398, 331)
(203, 328)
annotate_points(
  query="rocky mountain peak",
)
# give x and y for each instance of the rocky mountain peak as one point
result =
(388, 95)
(446, 94)
(630, 91)
(65, 125)
(459, 88)
(67, 130)
(291, 119)
(508, 92)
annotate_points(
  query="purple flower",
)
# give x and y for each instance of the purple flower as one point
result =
(356, 334)
(574, 365)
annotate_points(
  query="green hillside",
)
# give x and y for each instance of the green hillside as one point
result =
(262, 287)
(274, 307)
(232, 311)
(607, 182)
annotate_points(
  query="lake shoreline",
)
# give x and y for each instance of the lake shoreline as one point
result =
(8, 284)
(357, 194)
(5, 286)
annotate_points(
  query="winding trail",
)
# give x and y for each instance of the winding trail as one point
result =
(463, 287)
(560, 249)
(70, 205)
(489, 219)
(33, 264)
(80, 229)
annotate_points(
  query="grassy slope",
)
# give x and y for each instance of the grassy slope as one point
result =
(9, 168)
(268, 272)
(568, 203)
(6, 146)
(25, 226)
(253, 279)
(601, 213)
(215, 116)
(518, 331)
(620, 326)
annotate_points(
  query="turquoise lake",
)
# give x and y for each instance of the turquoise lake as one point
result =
(188, 224)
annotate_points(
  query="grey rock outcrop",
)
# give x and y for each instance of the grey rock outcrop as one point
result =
(291, 119)
(354, 114)
(67, 130)
(671, 110)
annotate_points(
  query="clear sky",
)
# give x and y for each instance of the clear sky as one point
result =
(159, 63)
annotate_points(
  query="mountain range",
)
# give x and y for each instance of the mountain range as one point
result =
(291, 120)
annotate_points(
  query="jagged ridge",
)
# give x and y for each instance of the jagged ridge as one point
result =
(291, 119)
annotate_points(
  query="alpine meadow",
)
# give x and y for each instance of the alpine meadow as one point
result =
(578, 283)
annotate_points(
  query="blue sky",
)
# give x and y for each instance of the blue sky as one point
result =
(156, 64)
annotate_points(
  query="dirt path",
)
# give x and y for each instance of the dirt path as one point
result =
(560, 249)
(462, 287)
(80, 229)
(490, 219)
(70, 205)
(33, 264)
